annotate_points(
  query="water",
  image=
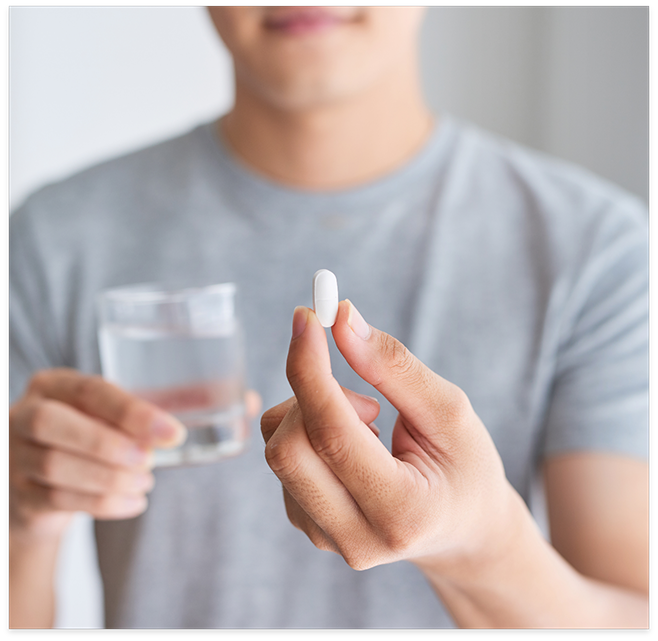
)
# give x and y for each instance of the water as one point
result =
(197, 378)
(211, 438)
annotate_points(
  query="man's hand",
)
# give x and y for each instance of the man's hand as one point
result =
(79, 443)
(440, 497)
(76, 443)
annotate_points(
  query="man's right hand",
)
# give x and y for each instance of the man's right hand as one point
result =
(79, 443)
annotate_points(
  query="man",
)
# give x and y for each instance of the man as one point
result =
(518, 280)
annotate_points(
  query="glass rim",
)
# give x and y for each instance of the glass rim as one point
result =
(161, 292)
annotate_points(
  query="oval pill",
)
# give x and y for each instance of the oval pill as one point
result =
(325, 297)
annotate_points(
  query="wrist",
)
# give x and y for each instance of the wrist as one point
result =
(497, 543)
(496, 585)
(37, 529)
(33, 552)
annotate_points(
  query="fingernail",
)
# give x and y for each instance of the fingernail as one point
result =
(299, 318)
(357, 324)
(167, 430)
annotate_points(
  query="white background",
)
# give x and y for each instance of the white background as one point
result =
(90, 83)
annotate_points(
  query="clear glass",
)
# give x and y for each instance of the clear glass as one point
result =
(181, 348)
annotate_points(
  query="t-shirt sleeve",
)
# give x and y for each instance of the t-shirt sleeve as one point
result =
(600, 394)
(32, 337)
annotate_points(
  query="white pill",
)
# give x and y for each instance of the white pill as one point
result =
(325, 296)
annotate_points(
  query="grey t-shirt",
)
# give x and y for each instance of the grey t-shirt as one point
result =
(519, 278)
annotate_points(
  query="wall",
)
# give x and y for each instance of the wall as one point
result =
(89, 83)
(570, 81)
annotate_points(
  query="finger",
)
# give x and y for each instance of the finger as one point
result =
(59, 469)
(341, 439)
(57, 425)
(97, 397)
(374, 428)
(271, 419)
(413, 389)
(111, 506)
(366, 407)
(306, 524)
(310, 482)
(316, 500)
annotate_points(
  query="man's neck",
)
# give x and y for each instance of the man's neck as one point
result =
(336, 146)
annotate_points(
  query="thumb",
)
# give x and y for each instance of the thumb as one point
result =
(418, 393)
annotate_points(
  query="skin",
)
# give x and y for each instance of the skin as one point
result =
(329, 109)
(440, 498)
(323, 110)
(76, 443)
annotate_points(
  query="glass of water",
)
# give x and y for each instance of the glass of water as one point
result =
(182, 349)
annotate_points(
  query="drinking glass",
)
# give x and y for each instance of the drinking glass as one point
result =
(181, 348)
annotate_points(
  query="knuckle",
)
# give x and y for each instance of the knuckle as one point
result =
(39, 381)
(457, 407)
(392, 544)
(407, 527)
(96, 445)
(268, 424)
(131, 414)
(87, 388)
(268, 415)
(48, 465)
(397, 541)
(282, 457)
(298, 377)
(330, 444)
(41, 422)
(320, 540)
(357, 560)
(399, 359)
(130, 410)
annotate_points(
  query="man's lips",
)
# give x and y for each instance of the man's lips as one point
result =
(300, 21)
